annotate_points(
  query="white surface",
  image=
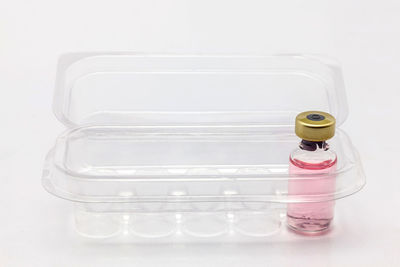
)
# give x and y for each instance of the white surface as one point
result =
(35, 227)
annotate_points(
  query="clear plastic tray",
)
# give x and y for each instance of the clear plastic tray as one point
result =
(179, 147)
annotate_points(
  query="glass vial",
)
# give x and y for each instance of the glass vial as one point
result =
(312, 166)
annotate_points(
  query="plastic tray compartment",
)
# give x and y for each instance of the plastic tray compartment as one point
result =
(188, 147)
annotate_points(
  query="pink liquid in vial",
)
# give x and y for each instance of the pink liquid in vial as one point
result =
(313, 217)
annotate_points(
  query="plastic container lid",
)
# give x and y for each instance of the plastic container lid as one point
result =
(139, 89)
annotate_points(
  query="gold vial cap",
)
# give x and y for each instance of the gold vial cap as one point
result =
(315, 126)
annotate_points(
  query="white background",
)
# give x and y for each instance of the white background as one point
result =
(35, 227)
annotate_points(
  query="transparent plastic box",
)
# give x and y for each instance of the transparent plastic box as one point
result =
(187, 147)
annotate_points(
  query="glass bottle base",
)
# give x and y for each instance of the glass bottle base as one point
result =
(308, 226)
